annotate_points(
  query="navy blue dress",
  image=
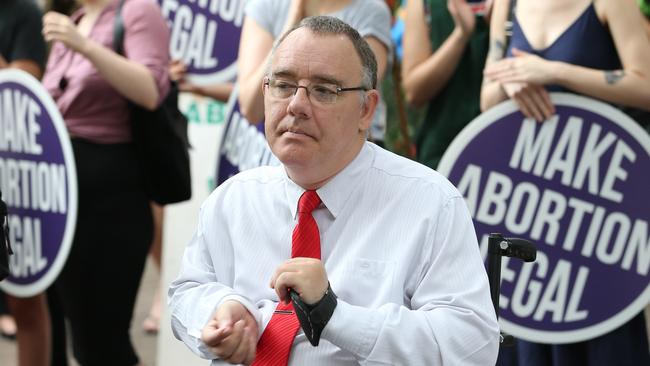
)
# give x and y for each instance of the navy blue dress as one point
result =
(587, 42)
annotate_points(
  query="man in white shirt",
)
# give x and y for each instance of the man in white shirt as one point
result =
(397, 244)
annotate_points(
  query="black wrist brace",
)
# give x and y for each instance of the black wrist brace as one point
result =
(313, 318)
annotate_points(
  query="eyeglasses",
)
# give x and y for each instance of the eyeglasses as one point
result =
(318, 92)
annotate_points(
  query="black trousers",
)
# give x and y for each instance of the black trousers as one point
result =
(98, 285)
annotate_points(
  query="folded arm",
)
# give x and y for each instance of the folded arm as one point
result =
(449, 319)
(629, 86)
(196, 295)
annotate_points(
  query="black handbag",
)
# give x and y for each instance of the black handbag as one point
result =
(160, 139)
(5, 247)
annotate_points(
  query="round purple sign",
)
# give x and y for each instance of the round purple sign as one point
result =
(205, 36)
(243, 145)
(38, 183)
(573, 185)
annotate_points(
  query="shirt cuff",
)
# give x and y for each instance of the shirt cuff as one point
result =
(353, 328)
(252, 308)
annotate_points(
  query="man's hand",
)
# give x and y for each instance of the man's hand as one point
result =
(306, 276)
(3, 62)
(232, 333)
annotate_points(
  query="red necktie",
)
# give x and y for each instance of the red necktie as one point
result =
(274, 346)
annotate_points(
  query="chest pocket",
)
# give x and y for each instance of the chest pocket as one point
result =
(370, 283)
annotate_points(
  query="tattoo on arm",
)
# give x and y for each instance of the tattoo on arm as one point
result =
(613, 76)
(496, 51)
(495, 54)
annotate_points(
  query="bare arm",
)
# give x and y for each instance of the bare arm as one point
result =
(491, 92)
(255, 47)
(424, 72)
(129, 78)
(529, 95)
(629, 86)
(220, 92)
(381, 55)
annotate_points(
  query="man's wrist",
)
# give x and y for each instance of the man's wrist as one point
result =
(313, 318)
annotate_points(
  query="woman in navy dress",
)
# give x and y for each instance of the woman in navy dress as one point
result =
(595, 48)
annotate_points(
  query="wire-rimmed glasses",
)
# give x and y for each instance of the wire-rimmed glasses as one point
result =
(323, 93)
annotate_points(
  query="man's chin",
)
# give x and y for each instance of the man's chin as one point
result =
(293, 156)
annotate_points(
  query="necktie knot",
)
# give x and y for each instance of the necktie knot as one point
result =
(308, 202)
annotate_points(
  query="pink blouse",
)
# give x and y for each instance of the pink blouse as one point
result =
(91, 107)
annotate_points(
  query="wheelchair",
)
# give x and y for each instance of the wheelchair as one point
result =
(498, 247)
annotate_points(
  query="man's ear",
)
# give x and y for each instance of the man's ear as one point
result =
(368, 109)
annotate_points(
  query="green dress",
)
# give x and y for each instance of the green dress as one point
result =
(459, 101)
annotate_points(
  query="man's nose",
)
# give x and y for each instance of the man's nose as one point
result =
(300, 104)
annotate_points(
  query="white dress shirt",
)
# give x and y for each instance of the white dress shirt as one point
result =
(400, 253)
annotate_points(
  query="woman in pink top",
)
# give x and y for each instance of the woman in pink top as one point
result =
(93, 87)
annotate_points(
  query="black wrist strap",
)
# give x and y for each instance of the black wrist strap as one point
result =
(313, 318)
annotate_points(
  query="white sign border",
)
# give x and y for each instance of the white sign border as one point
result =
(27, 80)
(486, 119)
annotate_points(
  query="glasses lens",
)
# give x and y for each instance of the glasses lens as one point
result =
(317, 93)
(281, 89)
(322, 93)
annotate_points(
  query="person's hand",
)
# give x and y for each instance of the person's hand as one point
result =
(177, 70)
(231, 334)
(533, 100)
(522, 68)
(3, 62)
(58, 27)
(463, 16)
(488, 11)
(306, 276)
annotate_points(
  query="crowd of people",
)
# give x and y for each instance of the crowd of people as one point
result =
(321, 227)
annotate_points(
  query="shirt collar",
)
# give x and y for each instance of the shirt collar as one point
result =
(335, 193)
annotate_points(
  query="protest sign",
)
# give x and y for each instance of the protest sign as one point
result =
(576, 185)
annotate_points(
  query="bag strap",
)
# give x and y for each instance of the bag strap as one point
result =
(508, 26)
(118, 30)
